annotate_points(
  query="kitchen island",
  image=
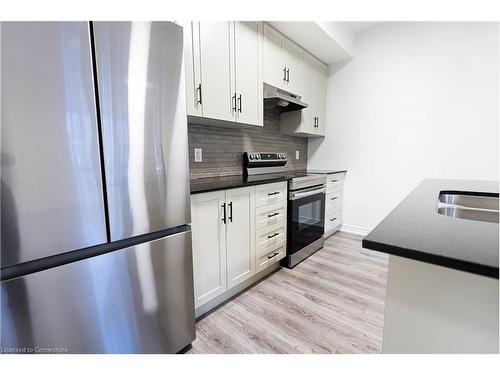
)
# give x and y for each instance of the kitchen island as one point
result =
(442, 287)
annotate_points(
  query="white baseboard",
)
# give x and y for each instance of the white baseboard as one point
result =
(353, 229)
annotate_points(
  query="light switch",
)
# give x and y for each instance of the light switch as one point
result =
(297, 155)
(198, 155)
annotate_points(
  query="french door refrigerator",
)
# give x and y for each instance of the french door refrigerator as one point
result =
(96, 243)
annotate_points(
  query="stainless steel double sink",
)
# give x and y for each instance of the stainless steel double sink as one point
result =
(469, 206)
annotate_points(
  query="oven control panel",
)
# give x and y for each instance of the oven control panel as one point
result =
(265, 158)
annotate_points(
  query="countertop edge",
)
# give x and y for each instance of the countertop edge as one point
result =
(319, 171)
(460, 265)
(237, 186)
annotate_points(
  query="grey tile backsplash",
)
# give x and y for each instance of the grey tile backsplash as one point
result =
(223, 147)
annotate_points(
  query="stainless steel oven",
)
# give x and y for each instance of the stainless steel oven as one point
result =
(306, 217)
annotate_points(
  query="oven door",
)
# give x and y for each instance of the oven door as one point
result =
(306, 217)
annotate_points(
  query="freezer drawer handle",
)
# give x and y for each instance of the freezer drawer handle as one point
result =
(272, 256)
(271, 215)
(272, 235)
(273, 193)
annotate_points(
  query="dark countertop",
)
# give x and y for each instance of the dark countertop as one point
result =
(325, 171)
(415, 230)
(203, 185)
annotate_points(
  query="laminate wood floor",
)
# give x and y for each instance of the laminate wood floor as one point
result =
(332, 302)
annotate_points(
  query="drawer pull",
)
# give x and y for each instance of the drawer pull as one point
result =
(334, 180)
(271, 215)
(333, 219)
(272, 256)
(273, 193)
(333, 198)
(272, 235)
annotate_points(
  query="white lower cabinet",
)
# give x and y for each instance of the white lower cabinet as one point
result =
(333, 202)
(235, 237)
(240, 257)
(209, 245)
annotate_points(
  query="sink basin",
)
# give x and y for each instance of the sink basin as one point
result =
(489, 216)
(469, 206)
(470, 201)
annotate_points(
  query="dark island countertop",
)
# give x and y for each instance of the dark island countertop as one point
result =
(415, 230)
(206, 184)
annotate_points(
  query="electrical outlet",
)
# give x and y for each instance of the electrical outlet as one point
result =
(198, 155)
(297, 155)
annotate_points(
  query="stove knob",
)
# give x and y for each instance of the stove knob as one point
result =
(258, 156)
(251, 156)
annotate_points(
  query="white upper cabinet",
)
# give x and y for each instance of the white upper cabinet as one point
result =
(192, 68)
(293, 61)
(248, 88)
(223, 62)
(311, 121)
(282, 61)
(274, 65)
(215, 56)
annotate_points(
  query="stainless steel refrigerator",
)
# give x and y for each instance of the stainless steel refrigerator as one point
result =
(96, 243)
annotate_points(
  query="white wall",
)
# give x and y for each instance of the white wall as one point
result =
(419, 100)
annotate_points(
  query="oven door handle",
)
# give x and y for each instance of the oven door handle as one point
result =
(303, 194)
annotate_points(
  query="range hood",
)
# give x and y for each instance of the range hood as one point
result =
(281, 99)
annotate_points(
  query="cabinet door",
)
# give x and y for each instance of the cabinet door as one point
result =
(309, 94)
(192, 67)
(274, 60)
(215, 70)
(240, 239)
(293, 62)
(321, 78)
(248, 72)
(209, 246)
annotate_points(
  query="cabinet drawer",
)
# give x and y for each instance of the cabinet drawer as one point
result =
(270, 194)
(333, 218)
(335, 189)
(271, 235)
(334, 180)
(270, 256)
(333, 199)
(270, 214)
